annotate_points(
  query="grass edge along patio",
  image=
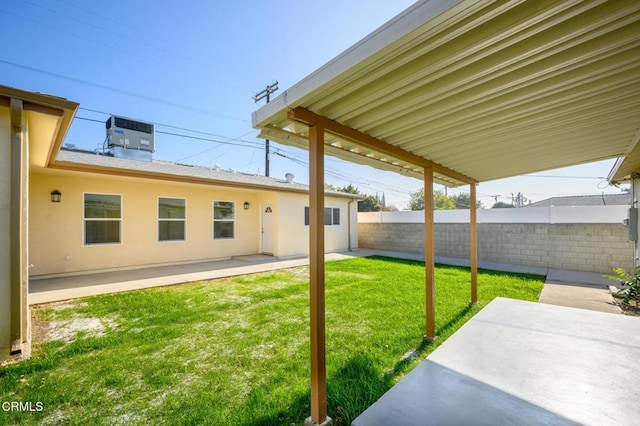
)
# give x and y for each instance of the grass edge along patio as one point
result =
(235, 350)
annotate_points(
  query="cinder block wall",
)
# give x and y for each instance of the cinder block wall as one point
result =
(584, 247)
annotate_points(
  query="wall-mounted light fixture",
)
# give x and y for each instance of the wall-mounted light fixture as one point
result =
(56, 196)
(246, 205)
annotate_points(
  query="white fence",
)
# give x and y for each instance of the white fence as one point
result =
(551, 215)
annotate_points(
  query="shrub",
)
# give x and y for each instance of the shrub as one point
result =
(632, 292)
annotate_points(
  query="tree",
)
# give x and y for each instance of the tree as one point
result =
(417, 200)
(331, 187)
(441, 201)
(350, 189)
(502, 205)
(463, 201)
(369, 204)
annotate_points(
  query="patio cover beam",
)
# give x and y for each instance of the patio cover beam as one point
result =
(305, 116)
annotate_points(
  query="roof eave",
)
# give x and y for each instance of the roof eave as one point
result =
(140, 174)
(55, 106)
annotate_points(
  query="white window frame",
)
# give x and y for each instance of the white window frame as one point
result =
(333, 209)
(164, 219)
(213, 214)
(110, 219)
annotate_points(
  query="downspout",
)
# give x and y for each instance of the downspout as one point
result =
(349, 223)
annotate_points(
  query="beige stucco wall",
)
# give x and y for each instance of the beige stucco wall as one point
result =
(293, 235)
(5, 208)
(56, 229)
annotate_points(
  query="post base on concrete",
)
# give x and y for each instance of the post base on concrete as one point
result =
(309, 422)
(428, 339)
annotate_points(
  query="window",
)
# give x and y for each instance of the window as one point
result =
(172, 214)
(102, 218)
(331, 216)
(223, 220)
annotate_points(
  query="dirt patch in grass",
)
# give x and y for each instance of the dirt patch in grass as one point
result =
(44, 330)
(67, 330)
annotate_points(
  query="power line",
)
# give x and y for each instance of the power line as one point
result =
(256, 145)
(300, 160)
(108, 30)
(131, 27)
(146, 33)
(82, 37)
(170, 126)
(124, 92)
(252, 144)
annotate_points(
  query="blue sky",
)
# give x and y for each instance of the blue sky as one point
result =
(192, 67)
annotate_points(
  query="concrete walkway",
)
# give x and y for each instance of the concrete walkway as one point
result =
(579, 290)
(564, 288)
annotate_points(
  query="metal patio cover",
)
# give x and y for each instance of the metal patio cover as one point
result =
(488, 89)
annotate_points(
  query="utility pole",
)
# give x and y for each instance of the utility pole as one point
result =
(266, 93)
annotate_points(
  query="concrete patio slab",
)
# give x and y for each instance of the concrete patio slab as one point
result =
(523, 363)
(55, 289)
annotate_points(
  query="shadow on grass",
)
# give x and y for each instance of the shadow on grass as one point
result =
(356, 385)
(396, 260)
(350, 390)
(455, 320)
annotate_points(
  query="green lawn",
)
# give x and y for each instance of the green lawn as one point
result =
(236, 351)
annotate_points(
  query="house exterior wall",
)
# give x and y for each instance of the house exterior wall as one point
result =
(293, 234)
(5, 244)
(56, 229)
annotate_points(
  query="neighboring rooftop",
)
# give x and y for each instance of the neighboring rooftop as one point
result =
(585, 200)
(89, 161)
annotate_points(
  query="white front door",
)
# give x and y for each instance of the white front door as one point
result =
(267, 228)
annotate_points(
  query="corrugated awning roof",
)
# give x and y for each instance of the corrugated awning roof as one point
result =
(487, 89)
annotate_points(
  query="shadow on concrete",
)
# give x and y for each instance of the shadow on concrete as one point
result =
(433, 394)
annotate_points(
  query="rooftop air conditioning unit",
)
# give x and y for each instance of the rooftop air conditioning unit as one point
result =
(130, 139)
